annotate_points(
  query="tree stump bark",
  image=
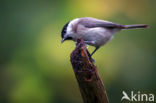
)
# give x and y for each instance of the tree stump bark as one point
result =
(90, 84)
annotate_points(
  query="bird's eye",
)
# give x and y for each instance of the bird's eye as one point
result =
(69, 38)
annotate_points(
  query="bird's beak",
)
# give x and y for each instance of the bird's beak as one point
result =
(62, 40)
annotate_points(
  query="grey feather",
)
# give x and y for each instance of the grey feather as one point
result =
(92, 22)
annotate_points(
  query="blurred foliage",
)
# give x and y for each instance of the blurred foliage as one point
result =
(35, 66)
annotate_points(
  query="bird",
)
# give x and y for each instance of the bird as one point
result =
(94, 32)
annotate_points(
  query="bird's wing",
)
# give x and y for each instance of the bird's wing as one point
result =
(92, 22)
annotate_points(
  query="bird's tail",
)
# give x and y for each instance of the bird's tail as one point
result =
(136, 26)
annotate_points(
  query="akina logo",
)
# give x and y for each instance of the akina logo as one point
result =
(138, 96)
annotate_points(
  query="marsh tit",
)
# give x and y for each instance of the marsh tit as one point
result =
(93, 31)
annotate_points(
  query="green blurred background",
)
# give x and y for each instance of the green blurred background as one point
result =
(35, 66)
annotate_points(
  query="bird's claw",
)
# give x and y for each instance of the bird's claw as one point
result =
(92, 60)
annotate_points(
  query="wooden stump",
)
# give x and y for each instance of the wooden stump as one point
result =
(90, 84)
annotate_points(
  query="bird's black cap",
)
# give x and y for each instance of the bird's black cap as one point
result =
(64, 30)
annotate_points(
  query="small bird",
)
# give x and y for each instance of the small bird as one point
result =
(93, 31)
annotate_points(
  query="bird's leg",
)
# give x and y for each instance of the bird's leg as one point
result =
(92, 43)
(94, 51)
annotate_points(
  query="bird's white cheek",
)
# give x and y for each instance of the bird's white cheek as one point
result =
(71, 26)
(69, 30)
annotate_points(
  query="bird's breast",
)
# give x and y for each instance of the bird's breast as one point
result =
(99, 35)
